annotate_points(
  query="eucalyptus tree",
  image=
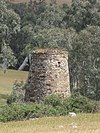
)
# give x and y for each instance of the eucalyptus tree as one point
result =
(40, 17)
(9, 24)
(82, 13)
(52, 16)
(85, 66)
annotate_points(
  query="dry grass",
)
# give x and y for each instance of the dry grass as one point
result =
(58, 1)
(83, 123)
(7, 80)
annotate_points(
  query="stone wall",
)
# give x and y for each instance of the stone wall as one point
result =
(48, 74)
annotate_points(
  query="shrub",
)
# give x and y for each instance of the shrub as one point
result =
(79, 104)
(53, 100)
(75, 103)
(25, 111)
(18, 93)
(52, 105)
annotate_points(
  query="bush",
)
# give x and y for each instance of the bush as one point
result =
(79, 104)
(75, 103)
(25, 111)
(52, 105)
(53, 100)
(18, 93)
(17, 112)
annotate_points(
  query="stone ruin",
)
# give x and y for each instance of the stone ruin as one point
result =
(48, 74)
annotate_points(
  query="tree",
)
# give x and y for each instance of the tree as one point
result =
(83, 13)
(85, 62)
(52, 38)
(35, 17)
(9, 24)
(52, 16)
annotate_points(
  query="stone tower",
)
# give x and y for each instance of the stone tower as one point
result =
(48, 74)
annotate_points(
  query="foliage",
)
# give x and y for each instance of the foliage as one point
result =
(79, 104)
(18, 93)
(85, 61)
(75, 103)
(25, 111)
(52, 105)
(53, 100)
(9, 24)
(7, 57)
(52, 37)
(82, 13)
(52, 16)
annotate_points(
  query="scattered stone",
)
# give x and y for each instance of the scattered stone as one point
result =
(72, 114)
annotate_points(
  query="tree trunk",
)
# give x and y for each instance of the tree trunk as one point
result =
(23, 64)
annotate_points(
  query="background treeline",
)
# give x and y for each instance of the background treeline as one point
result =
(26, 26)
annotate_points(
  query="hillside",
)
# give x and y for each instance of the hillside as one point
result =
(58, 1)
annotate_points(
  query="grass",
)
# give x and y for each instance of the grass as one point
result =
(6, 82)
(82, 123)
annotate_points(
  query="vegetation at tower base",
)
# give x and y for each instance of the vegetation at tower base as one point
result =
(52, 105)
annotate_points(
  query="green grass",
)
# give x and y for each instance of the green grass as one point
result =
(6, 82)
(82, 123)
